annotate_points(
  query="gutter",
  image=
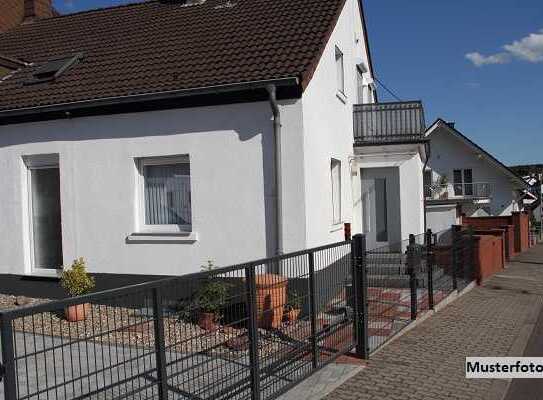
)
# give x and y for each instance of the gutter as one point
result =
(278, 198)
(69, 107)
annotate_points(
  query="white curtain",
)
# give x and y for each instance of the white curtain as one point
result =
(167, 194)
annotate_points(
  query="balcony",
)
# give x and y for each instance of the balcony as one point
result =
(479, 192)
(389, 123)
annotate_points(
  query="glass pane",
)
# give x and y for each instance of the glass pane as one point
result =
(381, 222)
(336, 191)
(457, 182)
(167, 194)
(468, 182)
(46, 225)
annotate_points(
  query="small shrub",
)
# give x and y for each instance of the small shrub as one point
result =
(213, 294)
(76, 280)
(294, 301)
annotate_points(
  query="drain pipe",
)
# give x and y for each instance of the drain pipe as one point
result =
(427, 149)
(272, 92)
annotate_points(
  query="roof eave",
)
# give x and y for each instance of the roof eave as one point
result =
(7, 116)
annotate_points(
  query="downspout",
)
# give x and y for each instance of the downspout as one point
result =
(272, 92)
(427, 149)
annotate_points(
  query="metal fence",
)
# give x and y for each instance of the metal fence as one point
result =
(249, 331)
(230, 333)
(413, 276)
(389, 122)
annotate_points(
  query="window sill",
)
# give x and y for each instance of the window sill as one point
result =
(45, 273)
(340, 95)
(162, 237)
(336, 227)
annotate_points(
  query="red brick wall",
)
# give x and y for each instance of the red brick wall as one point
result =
(11, 14)
(14, 12)
(521, 220)
(489, 257)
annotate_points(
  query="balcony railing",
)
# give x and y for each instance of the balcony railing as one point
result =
(389, 122)
(458, 191)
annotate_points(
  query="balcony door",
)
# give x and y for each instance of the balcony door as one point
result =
(463, 182)
(44, 215)
(380, 206)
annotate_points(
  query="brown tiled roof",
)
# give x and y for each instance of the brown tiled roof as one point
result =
(158, 46)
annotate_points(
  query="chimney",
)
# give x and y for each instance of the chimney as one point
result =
(451, 124)
(36, 9)
(16, 12)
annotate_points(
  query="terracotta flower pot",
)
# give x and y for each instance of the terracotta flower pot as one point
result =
(77, 312)
(293, 314)
(207, 321)
(271, 297)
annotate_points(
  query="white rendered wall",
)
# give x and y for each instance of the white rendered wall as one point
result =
(231, 182)
(411, 196)
(440, 217)
(328, 129)
(450, 153)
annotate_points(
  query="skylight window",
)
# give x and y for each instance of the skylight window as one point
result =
(52, 69)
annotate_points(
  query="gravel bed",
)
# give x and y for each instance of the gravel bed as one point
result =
(127, 326)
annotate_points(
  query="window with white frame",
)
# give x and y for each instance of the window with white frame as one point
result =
(165, 195)
(340, 73)
(335, 174)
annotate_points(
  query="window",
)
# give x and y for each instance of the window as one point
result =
(463, 182)
(53, 68)
(335, 173)
(166, 195)
(339, 71)
(381, 218)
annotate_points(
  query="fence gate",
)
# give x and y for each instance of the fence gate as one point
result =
(249, 331)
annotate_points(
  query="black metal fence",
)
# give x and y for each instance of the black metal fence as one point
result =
(249, 331)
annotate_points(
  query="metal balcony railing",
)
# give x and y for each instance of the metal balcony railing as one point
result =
(478, 190)
(388, 122)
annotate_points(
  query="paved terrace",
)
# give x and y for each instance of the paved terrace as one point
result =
(428, 361)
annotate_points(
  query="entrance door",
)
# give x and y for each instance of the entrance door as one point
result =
(45, 222)
(380, 206)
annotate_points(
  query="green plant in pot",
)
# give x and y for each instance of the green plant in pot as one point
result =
(77, 282)
(210, 300)
(293, 308)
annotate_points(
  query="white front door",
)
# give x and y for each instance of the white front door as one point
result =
(45, 217)
(380, 206)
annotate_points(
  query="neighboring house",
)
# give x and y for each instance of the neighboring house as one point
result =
(16, 12)
(461, 178)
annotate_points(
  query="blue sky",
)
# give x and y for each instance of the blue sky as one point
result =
(476, 62)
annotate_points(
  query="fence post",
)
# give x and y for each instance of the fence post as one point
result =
(360, 293)
(313, 310)
(430, 268)
(160, 347)
(8, 358)
(252, 332)
(454, 253)
(471, 253)
(412, 275)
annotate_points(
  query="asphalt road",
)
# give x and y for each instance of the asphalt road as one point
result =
(529, 389)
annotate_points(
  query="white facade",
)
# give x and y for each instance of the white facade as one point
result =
(230, 150)
(452, 151)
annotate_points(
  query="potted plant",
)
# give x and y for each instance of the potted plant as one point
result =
(293, 306)
(77, 282)
(210, 300)
(443, 187)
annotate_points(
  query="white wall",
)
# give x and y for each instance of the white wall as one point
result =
(328, 129)
(231, 182)
(440, 217)
(411, 196)
(449, 153)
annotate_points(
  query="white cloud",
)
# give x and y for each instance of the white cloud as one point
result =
(479, 60)
(529, 48)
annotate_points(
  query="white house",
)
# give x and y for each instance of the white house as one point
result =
(463, 178)
(152, 137)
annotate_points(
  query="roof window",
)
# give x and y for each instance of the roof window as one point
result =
(53, 68)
